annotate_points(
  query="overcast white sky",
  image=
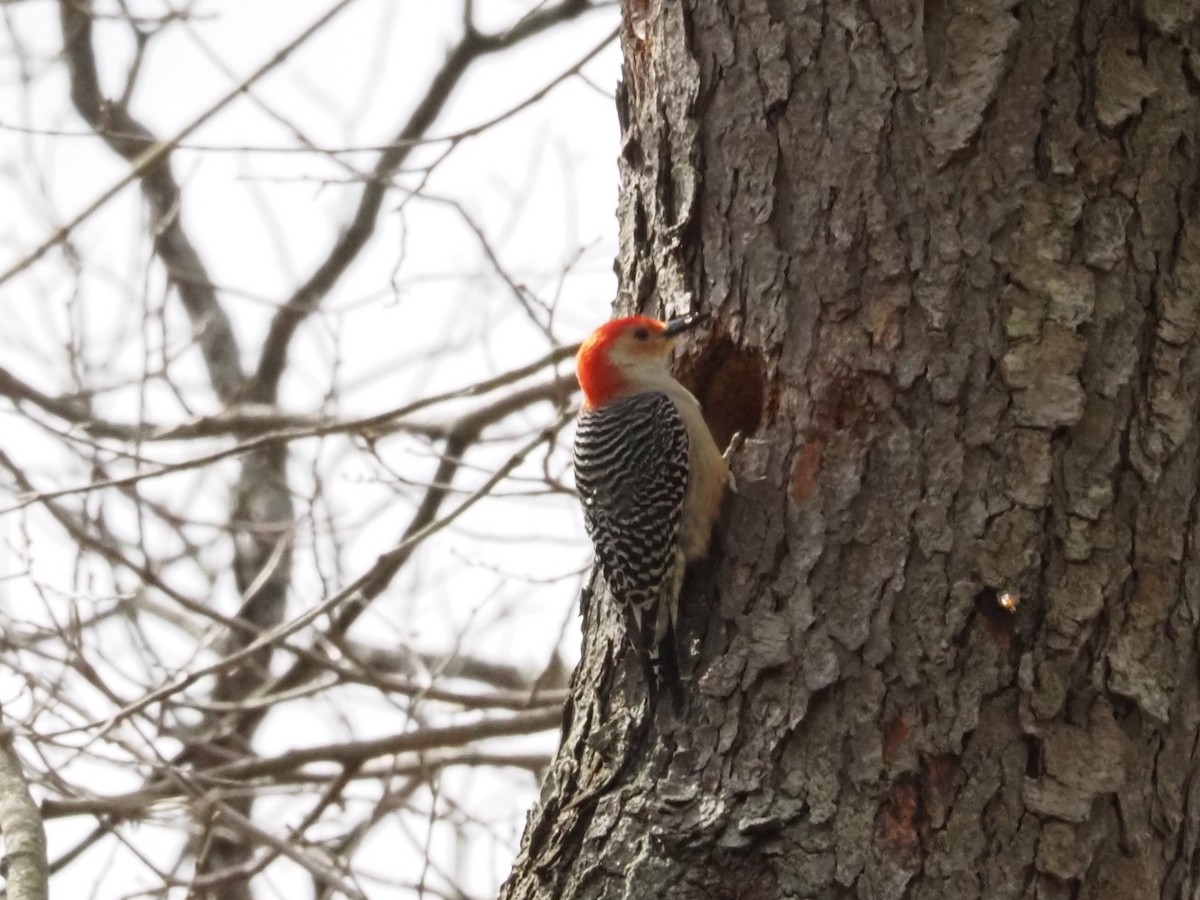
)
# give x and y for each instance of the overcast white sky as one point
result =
(541, 185)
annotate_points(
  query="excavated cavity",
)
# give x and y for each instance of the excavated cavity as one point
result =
(731, 384)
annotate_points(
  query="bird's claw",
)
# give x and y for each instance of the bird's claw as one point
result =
(735, 444)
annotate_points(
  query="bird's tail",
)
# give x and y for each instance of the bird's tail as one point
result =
(653, 636)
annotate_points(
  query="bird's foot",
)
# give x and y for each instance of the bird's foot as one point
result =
(735, 444)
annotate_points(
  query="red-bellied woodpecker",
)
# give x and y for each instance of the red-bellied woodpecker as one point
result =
(650, 477)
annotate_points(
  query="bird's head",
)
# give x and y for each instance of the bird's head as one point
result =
(627, 356)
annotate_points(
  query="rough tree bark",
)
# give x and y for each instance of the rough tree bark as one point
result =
(947, 647)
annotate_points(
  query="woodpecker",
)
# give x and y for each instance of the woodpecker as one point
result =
(650, 478)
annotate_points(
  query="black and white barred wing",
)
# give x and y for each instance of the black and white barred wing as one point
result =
(631, 469)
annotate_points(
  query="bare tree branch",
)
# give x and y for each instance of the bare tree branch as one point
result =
(472, 46)
(24, 860)
(150, 159)
(556, 391)
(155, 628)
(261, 422)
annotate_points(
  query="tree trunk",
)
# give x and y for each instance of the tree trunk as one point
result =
(947, 645)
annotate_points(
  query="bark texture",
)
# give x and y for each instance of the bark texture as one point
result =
(23, 865)
(947, 645)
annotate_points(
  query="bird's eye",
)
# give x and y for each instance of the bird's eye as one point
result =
(642, 334)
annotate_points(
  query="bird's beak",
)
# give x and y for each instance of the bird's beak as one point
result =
(678, 326)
